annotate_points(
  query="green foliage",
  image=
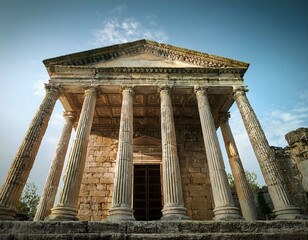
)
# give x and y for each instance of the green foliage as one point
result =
(251, 179)
(29, 200)
(231, 180)
(264, 208)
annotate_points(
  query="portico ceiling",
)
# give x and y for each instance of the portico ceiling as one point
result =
(147, 106)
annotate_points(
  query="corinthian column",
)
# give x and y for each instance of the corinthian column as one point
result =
(245, 196)
(25, 156)
(121, 208)
(278, 192)
(224, 206)
(52, 182)
(66, 208)
(172, 186)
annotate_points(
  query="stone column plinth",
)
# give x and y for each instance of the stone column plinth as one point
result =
(52, 182)
(224, 205)
(266, 158)
(121, 208)
(244, 193)
(25, 156)
(66, 208)
(172, 186)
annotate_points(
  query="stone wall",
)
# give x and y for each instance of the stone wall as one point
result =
(292, 162)
(298, 142)
(97, 184)
(195, 176)
(291, 177)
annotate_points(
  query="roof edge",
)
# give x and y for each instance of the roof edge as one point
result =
(97, 52)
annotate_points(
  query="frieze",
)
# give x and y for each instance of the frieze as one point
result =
(95, 72)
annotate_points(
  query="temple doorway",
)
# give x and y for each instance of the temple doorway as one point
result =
(147, 197)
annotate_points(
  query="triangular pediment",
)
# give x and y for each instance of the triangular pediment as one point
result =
(143, 60)
(143, 53)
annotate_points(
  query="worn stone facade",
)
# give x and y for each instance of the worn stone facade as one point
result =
(298, 143)
(98, 179)
(97, 183)
(291, 162)
(196, 184)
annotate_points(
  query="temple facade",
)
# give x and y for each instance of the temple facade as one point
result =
(146, 148)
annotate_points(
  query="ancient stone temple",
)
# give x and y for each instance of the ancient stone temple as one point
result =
(146, 117)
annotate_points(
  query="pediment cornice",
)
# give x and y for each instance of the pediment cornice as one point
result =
(91, 57)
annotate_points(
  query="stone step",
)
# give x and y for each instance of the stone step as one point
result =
(292, 230)
(187, 236)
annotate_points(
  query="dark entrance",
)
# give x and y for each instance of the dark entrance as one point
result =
(147, 192)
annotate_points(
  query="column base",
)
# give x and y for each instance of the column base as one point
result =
(7, 213)
(121, 214)
(62, 213)
(248, 208)
(226, 214)
(174, 213)
(288, 213)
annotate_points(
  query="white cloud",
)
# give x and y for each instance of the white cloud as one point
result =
(117, 30)
(39, 89)
(279, 122)
(119, 8)
(303, 95)
(39, 85)
(57, 120)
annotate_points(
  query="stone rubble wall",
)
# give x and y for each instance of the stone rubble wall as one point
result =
(292, 162)
(291, 176)
(298, 142)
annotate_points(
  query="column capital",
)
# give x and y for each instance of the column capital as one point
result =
(91, 90)
(203, 90)
(224, 116)
(69, 115)
(128, 89)
(50, 87)
(239, 90)
(165, 89)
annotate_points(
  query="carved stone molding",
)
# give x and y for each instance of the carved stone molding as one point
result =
(196, 58)
(239, 90)
(52, 87)
(165, 89)
(203, 90)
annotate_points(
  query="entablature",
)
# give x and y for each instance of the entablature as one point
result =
(93, 72)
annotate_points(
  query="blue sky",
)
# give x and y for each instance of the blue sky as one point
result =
(271, 35)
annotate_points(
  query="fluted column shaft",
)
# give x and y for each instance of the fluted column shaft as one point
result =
(278, 192)
(66, 208)
(172, 186)
(224, 205)
(121, 208)
(244, 193)
(25, 156)
(52, 182)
